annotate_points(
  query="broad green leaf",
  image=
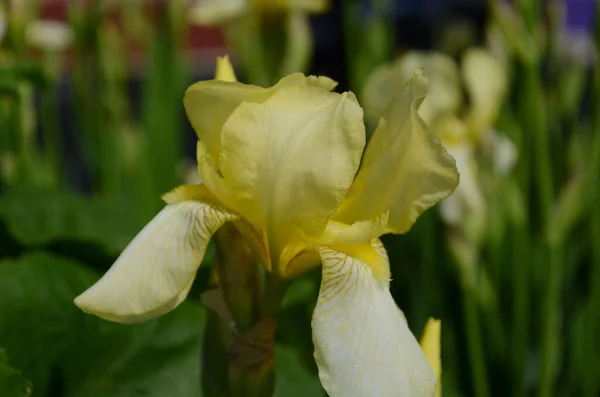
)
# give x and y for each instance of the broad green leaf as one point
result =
(37, 216)
(12, 383)
(293, 379)
(46, 335)
(303, 290)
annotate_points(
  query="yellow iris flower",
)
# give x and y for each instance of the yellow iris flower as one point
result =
(463, 127)
(282, 164)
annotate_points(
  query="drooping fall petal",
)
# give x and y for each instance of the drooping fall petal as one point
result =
(155, 272)
(363, 346)
(405, 169)
(290, 160)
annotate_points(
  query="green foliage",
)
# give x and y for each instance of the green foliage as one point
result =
(12, 383)
(68, 353)
(38, 216)
(57, 346)
(293, 380)
(536, 273)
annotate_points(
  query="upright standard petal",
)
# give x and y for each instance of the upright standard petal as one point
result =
(155, 272)
(405, 169)
(224, 71)
(445, 94)
(486, 83)
(388, 80)
(363, 346)
(291, 159)
(209, 104)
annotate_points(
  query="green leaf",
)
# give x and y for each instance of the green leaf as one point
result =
(303, 290)
(47, 336)
(12, 383)
(38, 216)
(293, 379)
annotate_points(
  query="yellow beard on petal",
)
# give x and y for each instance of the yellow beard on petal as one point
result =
(368, 254)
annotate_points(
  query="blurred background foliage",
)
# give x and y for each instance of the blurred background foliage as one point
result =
(92, 132)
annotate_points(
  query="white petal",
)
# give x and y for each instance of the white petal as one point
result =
(468, 195)
(503, 150)
(156, 270)
(212, 12)
(451, 210)
(363, 346)
(49, 35)
(486, 82)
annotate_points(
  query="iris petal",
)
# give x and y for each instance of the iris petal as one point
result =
(363, 346)
(290, 160)
(405, 169)
(155, 272)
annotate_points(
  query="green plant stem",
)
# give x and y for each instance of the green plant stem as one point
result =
(274, 292)
(239, 277)
(475, 346)
(24, 145)
(244, 34)
(520, 274)
(352, 39)
(550, 323)
(535, 121)
(521, 266)
(52, 138)
(530, 11)
(591, 385)
(428, 268)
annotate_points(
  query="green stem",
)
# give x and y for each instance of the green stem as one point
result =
(535, 121)
(520, 274)
(25, 149)
(592, 381)
(591, 385)
(429, 269)
(244, 34)
(475, 345)
(239, 277)
(351, 38)
(529, 11)
(538, 127)
(52, 139)
(214, 358)
(274, 292)
(550, 323)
